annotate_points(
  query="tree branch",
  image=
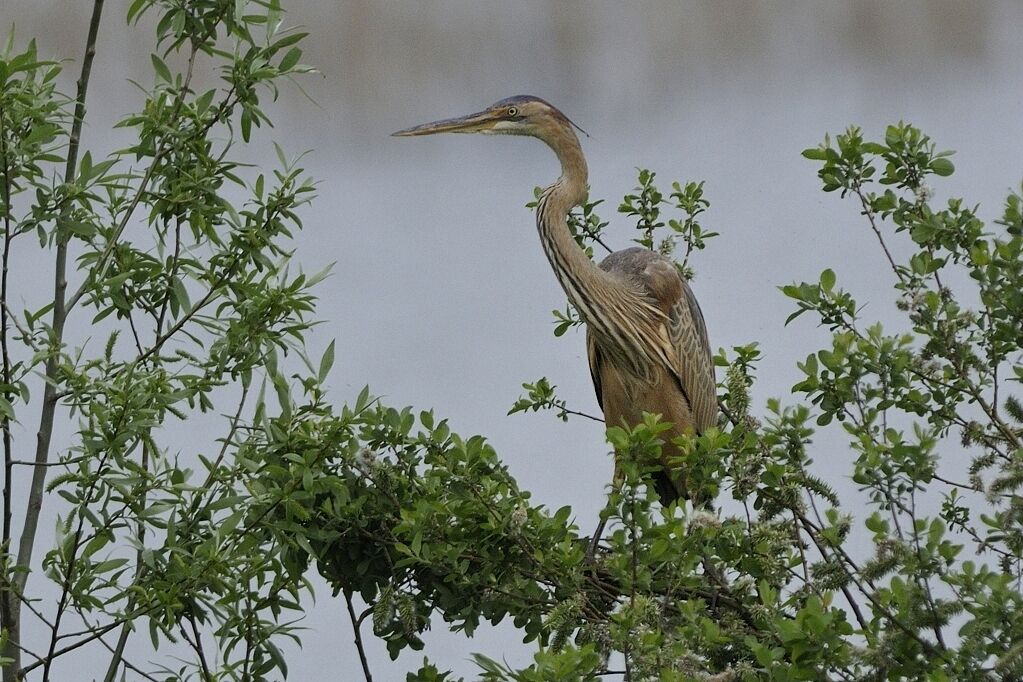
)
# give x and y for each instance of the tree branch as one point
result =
(868, 211)
(196, 645)
(7, 597)
(358, 636)
(49, 405)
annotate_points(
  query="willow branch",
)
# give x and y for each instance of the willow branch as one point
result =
(7, 597)
(358, 636)
(869, 212)
(45, 433)
(59, 316)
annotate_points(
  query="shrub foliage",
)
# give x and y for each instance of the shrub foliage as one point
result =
(178, 252)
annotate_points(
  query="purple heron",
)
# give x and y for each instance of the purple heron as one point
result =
(645, 335)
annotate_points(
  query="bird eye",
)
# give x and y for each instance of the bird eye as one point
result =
(512, 111)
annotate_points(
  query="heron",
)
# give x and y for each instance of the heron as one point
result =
(646, 338)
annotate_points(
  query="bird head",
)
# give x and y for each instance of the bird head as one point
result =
(519, 115)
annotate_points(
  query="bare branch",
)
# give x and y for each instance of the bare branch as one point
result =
(358, 636)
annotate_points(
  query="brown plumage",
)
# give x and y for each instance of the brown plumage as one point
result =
(645, 335)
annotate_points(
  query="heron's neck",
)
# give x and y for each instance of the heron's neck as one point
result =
(581, 279)
(571, 186)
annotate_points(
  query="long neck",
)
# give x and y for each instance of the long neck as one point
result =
(614, 312)
(588, 287)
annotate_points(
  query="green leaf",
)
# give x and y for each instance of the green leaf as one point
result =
(135, 9)
(161, 69)
(290, 59)
(246, 124)
(942, 166)
(828, 280)
(326, 362)
(109, 565)
(280, 385)
(6, 409)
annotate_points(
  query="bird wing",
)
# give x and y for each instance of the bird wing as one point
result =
(688, 333)
(683, 331)
(596, 361)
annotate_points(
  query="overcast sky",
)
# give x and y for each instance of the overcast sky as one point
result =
(442, 296)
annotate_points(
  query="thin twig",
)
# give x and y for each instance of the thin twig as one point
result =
(869, 212)
(358, 636)
(6, 598)
(925, 582)
(596, 237)
(226, 106)
(196, 645)
(845, 588)
(127, 664)
(634, 567)
(122, 638)
(135, 332)
(61, 463)
(853, 572)
(581, 414)
(71, 565)
(93, 635)
(171, 276)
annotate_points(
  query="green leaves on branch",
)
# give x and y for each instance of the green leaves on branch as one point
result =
(414, 518)
(835, 307)
(645, 207)
(905, 398)
(908, 157)
(181, 250)
(541, 396)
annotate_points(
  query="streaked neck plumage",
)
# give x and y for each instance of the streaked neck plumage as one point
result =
(608, 305)
(574, 270)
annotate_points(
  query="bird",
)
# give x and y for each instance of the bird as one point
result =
(646, 337)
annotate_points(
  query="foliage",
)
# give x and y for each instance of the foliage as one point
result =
(180, 259)
(180, 254)
(777, 591)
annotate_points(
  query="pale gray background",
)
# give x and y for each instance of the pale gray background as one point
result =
(442, 296)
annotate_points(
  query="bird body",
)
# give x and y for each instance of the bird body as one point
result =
(646, 338)
(679, 385)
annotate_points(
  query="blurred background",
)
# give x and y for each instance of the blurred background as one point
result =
(441, 295)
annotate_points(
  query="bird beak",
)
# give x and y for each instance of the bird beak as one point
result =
(473, 123)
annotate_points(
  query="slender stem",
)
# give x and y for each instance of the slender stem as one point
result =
(634, 570)
(853, 604)
(134, 332)
(7, 597)
(127, 664)
(49, 405)
(593, 235)
(196, 644)
(122, 639)
(103, 261)
(93, 635)
(924, 582)
(869, 212)
(171, 276)
(581, 414)
(117, 652)
(358, 636)
(215, 289)
(853, 572)
(71, 566)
